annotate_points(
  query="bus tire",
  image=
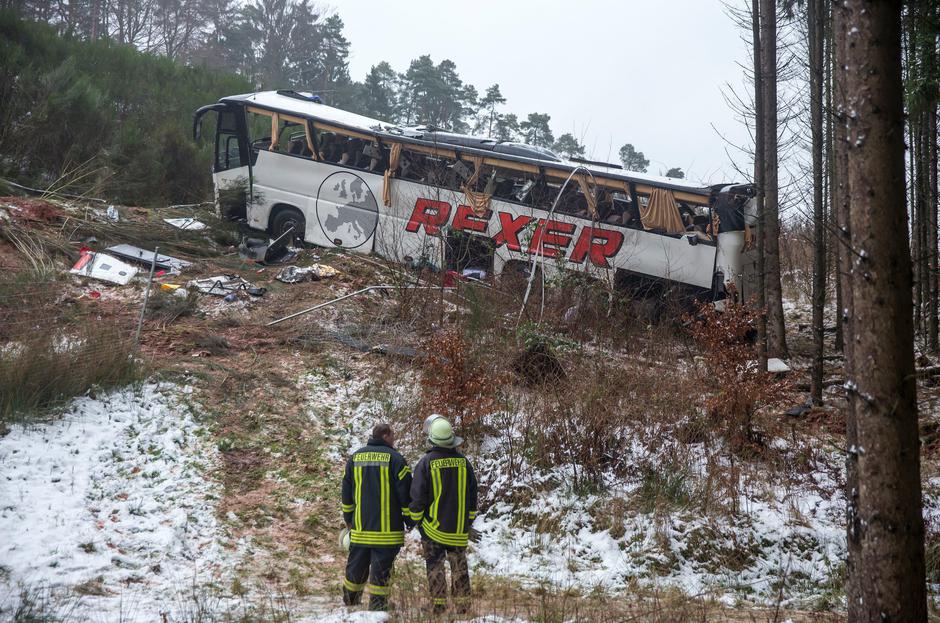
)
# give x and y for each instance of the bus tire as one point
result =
(286, 217)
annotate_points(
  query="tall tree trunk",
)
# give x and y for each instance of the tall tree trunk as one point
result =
(929, 156)
(924, 229)
(834, 220)
(844, 237)
(776, 332)
(815, 14)
(759, 169)
(889, 574)
(930, 173)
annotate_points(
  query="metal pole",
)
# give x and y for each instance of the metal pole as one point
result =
(143, 309)
(346, 296)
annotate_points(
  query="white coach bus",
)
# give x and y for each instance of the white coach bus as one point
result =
(417, 194)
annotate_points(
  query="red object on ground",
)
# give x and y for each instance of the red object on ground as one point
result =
(450, 278)
(86, 257)
(95, 294)
(159, 273)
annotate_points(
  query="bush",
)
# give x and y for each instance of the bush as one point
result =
(738, 386)
(120, 115)
(453, 383)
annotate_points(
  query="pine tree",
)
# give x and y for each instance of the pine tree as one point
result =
(776, 331)
(488, 116)
(886, 570)
(536, 131)
(632, 159)
(379, 93)
(568, 146)
(675, 172)
(816, 16)
(506, 127)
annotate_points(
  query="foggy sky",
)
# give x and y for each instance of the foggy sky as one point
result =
(647, 72)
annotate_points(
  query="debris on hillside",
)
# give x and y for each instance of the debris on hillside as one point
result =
(146, 257)
(191, 224)
(224, 285)
(104, 267)
(314, 272)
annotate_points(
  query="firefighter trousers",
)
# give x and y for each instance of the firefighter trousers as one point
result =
(434, 555)
(368, 568)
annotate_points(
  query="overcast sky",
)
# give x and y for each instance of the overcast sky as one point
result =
(645, 72)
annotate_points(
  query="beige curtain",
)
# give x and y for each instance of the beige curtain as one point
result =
(393, 157)
(662, 212)
(588, 195)
(479, 202)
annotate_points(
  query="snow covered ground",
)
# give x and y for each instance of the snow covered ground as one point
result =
(112, 500)
(791, 534)
(115, 499)
(794, 537)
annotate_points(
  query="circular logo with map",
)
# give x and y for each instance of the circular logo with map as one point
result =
(347, 210)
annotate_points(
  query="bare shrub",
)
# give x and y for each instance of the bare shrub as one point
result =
(738, 386)
(453, 382)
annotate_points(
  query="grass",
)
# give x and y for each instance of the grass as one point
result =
(46, 368)
(165, 307)
(664, 489)
(38, 604)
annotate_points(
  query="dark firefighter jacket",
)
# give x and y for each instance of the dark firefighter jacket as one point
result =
(376, 494)
(444, 496)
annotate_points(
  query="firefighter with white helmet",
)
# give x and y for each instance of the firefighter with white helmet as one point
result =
(376, 497)
(444, 505)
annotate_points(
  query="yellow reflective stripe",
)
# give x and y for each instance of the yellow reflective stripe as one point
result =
(405, 511)
(473, 514)
(352, 586)
(348, 508)
(375, 589)
(386, 500)
(444, 538)
(438, 490)
(440, 601)
(404, 470)
(417, 516)
(461, 496)
(365, 537)
(358, 477)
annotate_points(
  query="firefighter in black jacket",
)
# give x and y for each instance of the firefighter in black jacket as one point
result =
(444, 505)
(376, 495)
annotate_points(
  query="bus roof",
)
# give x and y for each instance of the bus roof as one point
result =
(307, 105)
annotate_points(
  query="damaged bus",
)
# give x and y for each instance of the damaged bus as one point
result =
(421, 195)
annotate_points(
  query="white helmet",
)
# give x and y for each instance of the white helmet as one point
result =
(344, 539)
(429, 420)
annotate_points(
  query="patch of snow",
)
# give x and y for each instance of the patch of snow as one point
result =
(794, 531)
(361, 616)
(114, 497)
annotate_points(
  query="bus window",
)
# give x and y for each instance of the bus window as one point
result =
(227, 151)
(259, 131)
(292, 138)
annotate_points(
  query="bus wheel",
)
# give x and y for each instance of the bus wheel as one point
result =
(285, 219)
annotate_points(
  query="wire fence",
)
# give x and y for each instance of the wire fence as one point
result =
(63, 335)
